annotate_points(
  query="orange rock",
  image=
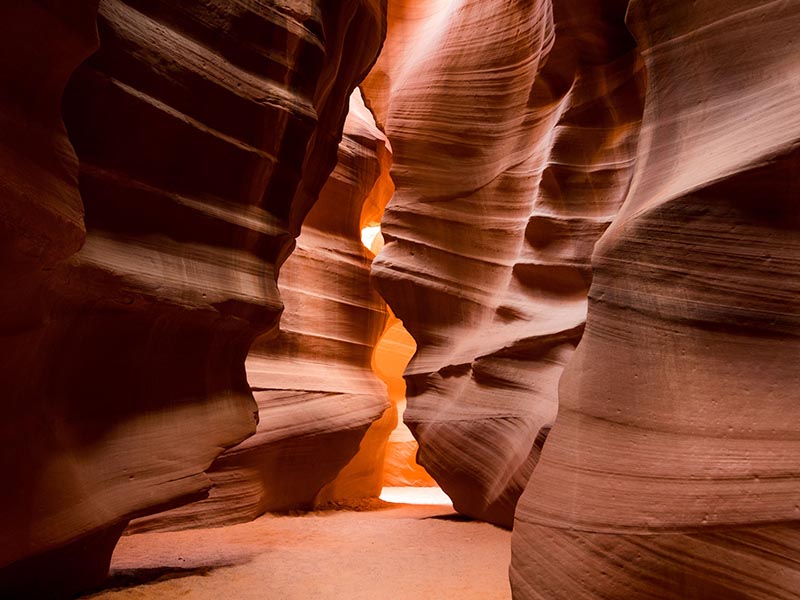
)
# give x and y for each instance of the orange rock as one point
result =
(321, 406)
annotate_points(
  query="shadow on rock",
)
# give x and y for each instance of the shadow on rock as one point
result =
(128, 578)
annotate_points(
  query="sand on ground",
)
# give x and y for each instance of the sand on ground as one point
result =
(389, 552)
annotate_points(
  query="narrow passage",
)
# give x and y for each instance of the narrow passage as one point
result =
(375, 551)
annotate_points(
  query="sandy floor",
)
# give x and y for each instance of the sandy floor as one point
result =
(396, 551)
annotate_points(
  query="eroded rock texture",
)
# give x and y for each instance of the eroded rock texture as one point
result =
(317, 395)
(672, 469)
(513, 127)
(204, 132)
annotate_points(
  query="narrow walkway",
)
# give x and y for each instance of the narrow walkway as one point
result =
(388, 552)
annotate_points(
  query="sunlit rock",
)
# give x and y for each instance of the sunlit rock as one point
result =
(514, 128)
(672, 469)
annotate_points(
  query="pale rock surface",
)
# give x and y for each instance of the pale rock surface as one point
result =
(204, 132)
(512, 153)
(672, 470)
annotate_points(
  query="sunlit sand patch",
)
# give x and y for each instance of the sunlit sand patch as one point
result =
(416, 495)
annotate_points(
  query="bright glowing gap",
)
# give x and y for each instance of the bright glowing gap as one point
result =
(416, 495)
(372, 239)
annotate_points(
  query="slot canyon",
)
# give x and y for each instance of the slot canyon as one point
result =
(400, 299)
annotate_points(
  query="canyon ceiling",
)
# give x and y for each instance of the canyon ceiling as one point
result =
(590, 225)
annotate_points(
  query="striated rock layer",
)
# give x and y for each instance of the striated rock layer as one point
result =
(204, 132)
(316, 392)
(513, 128)
(672, 469)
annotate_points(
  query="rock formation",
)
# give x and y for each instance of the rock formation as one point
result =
(320, 403)
(132, 292)
(638, 159)
(41, 225)
(392, 355)
(512, 152)
(672, 469)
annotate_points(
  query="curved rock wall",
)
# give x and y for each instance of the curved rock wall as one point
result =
(392, 355)
(672, 469)
(140, 254)
(513, 128)
(317, 395)
(339, 323)
(41, 225)
(204, 133)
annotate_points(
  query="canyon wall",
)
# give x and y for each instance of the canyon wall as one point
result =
(137, 276)
(319, 401)
(672, 469)
(41, 225)
(392, 355)
(513, 148)
(520, 133)
(636, 159)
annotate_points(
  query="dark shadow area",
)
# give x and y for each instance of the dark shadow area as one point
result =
(128, 578)
(452, 517)
(121, 579)
(64, 571)
(355, 505)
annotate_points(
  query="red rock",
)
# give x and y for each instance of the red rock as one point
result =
(392, 354)
(512, 150)
(41, 224)
(204, 133)
(316, 391)
(638, 158)
(671, 470)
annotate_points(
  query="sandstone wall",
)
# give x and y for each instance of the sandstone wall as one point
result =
(672, 469)
(41, 225)
(204, 132)
(316, 392)
(513, 126)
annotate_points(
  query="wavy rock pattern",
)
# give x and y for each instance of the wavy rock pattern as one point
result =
(204, 133)
(317, 395)
(513, 148)
(392, 354)
(672, 470)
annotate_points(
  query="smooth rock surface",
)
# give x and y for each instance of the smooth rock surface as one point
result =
(513, 127)
(204, 132)
(41, 225)
(319, 400)
(672, 470)
(639, 159)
